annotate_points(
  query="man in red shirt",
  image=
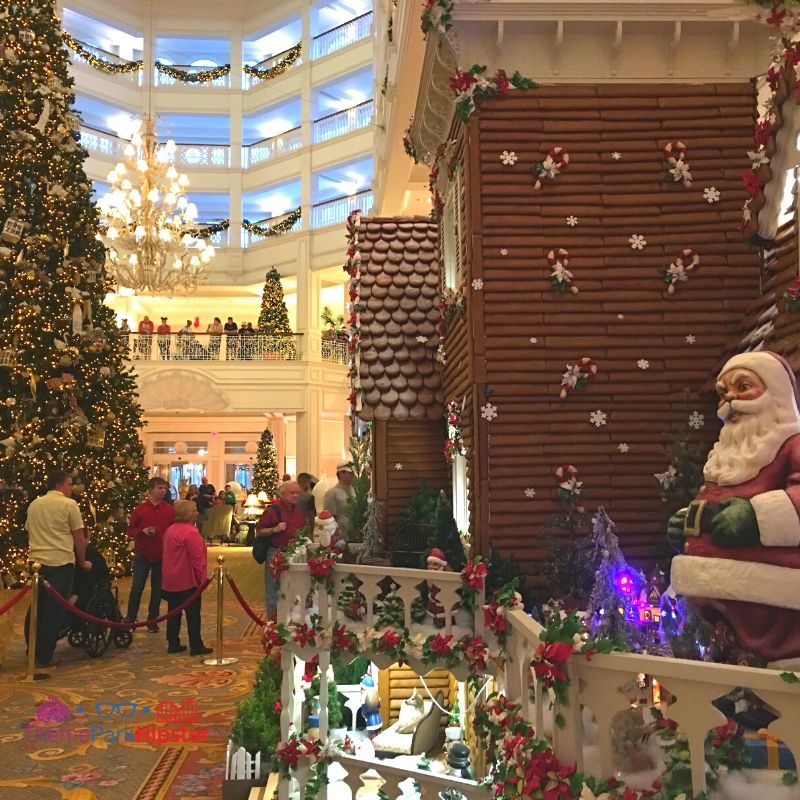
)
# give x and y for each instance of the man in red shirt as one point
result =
(280, 522)
(163, 331)
(146, 527)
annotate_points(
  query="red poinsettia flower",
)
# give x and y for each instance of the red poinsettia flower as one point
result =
(278, 565)
(290, 753)
(462, 81)
(503, 84)
(794, 290)
(321, 564)
(441, 645)
(475, 652)
(668, 724)
(724, 733)
(473, 575)
(388, 641)
(773, 78)
(494, 620)
(751, 183)
(762, 131)
(343, 639)
(304, 635)
(554, 652)
(777, 16)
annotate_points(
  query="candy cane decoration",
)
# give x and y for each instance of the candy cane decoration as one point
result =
(556, 160)
(678, 271)
(567, 479)
(560, 278)
(577, 376)
(677, 166)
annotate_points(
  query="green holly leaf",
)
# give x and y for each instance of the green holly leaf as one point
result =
(789, 779)
(519, 81)
(790, 677)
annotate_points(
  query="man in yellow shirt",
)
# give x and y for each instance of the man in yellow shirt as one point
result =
(56, 536)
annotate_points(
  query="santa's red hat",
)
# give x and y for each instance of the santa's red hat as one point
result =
(773, 369)
(325, 514)
(437, 558)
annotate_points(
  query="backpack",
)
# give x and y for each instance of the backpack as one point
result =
(262, 543)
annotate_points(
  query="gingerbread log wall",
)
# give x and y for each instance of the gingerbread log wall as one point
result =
(654, 351)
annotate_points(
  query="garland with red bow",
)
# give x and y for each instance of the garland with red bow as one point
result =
(454, 445)
(472, 87)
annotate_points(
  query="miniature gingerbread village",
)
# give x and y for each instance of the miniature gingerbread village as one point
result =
(576, 429)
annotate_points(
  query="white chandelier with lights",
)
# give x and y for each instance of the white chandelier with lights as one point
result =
(147, 222)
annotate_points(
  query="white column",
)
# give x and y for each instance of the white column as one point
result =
(308, 306)
(235, 166)
(308, 432)
(306, 200)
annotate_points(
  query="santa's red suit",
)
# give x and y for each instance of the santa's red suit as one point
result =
(756, 588)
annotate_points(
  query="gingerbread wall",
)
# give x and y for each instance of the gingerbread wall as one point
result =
(654, 352)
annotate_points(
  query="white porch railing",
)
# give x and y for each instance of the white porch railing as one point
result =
(268, 63)
(597, 684)
(259, 152)
(342, 122)
(335, 211)
(335, 351)
(342, 36)
(217, 156)
(207, 347)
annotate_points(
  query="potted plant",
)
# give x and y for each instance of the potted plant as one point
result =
(257, 729)
(453, 732)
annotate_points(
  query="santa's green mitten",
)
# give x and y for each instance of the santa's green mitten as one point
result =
(675, 534)
(734, 524)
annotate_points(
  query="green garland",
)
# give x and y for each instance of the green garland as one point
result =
(279, 68)
(100, 63)
(277, 229)
(210, 230)
(193, 77)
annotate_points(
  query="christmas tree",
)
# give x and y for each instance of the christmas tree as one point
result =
(265, 472)
(274, 318)
(67, 399)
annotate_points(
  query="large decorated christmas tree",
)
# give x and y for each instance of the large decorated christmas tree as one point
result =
(67, 399)
(274, 317)
(265, 471)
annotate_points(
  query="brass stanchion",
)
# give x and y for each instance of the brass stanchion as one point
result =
(30, 673)
(218, 660)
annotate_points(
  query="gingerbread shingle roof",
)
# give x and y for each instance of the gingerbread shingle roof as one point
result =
(398, 289)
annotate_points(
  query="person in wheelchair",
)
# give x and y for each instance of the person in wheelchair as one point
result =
(87, 582)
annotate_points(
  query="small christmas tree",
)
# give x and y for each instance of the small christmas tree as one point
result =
(274, 316)
(265, 471)
(67, 396)
(373, 537)
(357, 505)
(391, 611)
(614, 586)
(448, 539)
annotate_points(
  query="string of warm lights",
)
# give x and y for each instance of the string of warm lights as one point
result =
(67, 396)
(112, 68)
(278, 69)
(183, 74)
(274, 230)
(204, 231)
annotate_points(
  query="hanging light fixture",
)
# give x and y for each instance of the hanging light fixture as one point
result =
(147, 222)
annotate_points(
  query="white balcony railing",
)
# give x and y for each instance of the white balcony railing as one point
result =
(207, 347)
(259, 152)
(342, 36)
(162, 79)
(102, 143)
(335, 211)
(112, 58)
(251, 81)
(216, 156)
(249, 239)
(335, 351)
(342, 122)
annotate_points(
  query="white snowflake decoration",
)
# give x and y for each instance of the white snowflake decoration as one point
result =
(691, 339)
(643, 363)
(533, 340)
(616, 155)
(477, 284)
(530, 493)
(572, 221)
(623, 447)
(711, 194)
(696, 420)
(422, 339)
(508, 157)
(758, 157)
(598, 418)
(637, 241)
(620, 316)
(668, 477)
(398, 466)
(489, 412)
(503, 251)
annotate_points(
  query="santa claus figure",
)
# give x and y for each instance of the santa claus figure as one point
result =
(741, 561)
(327, 534)
(437, 561)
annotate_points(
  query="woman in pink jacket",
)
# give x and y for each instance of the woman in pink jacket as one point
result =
(184, 568)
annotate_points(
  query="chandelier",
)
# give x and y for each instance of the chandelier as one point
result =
(148, 223)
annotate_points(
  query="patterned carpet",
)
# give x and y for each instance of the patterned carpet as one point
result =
(113, 710)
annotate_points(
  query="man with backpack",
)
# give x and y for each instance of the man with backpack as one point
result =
(281, 520)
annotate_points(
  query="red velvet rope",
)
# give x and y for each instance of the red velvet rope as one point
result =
(127, 626)
(14, 600)
(243, 603)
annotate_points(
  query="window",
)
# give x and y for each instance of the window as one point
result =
(451, 234)
(163, 448)
(460, 503)
(239, 473)
(233, 448)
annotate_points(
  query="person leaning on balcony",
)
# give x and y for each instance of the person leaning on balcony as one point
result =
(281, 520)
(146, 328)
(337, 497)
(231, 330)
(163, 332)
(215, 330)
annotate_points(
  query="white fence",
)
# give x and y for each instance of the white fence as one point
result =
(207, 347)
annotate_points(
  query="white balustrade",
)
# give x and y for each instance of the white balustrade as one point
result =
(162, 79)
(102, 143)
(249, 239)
(342, 122)
(332, 212)
(203, 155)
(342, 36)
(335, 351)
(250, 81)
(208, 347)
(262, 151)
(112, 58)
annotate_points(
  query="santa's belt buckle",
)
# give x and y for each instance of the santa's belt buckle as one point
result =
(694, 518)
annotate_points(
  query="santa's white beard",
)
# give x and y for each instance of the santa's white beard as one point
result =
(748, 445)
